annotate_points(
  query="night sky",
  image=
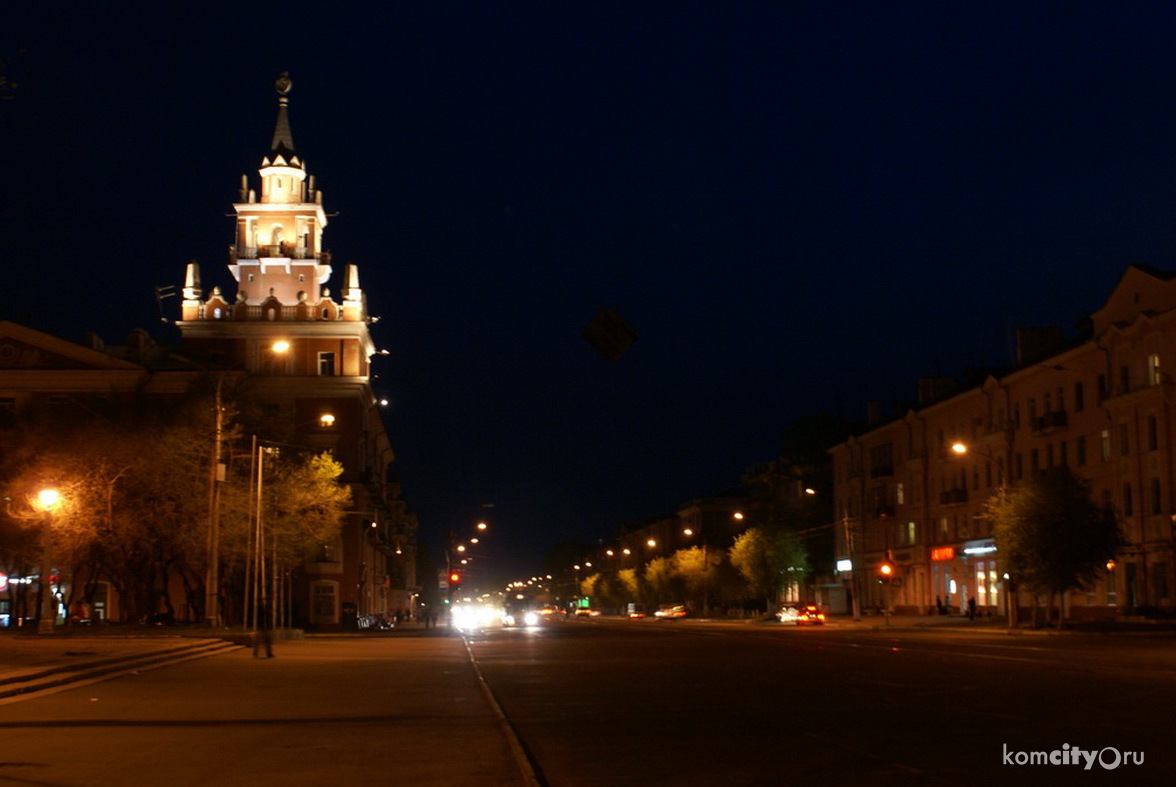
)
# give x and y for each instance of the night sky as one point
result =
(798, 206)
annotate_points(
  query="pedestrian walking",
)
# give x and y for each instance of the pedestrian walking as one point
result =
(972, 608)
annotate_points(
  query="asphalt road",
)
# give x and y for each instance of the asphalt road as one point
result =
(640, 703)
(598, 702)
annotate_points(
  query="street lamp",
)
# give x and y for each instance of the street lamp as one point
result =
(47, 500)
(962, 449)
(689, 533)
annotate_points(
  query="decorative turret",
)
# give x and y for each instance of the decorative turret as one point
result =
(278, 258)
(281, 272)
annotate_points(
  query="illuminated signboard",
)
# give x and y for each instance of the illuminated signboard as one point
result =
(943, 553)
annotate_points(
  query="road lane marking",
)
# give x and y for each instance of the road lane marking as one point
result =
(527, 767)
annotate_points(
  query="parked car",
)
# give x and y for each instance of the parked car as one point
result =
(801, 614)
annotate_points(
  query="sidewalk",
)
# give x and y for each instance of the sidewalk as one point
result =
(33, 664)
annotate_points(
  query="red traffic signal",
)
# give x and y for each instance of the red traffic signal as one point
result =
(886, 571)
(454, 578)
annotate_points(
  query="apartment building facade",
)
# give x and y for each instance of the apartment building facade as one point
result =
(911, 492)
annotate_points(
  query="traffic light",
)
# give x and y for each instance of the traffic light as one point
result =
(454, 579)
(885, 572)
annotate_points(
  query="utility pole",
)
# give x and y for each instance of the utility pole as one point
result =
(855, 570)
(212, 570)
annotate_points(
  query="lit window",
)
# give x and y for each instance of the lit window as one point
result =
(1153, 369)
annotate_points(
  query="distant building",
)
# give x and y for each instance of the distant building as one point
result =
(1102, 405)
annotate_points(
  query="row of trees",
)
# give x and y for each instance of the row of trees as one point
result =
(756, 568)
(133, 479)
(1052, 538)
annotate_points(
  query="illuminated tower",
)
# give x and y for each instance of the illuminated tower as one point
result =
(307, 357)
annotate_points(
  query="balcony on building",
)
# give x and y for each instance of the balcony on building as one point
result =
(280, 250)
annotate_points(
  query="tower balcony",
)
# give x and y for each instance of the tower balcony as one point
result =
(285, 250)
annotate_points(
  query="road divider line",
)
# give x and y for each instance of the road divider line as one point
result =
(527, 766)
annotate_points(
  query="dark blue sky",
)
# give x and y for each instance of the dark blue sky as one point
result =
(798, 206)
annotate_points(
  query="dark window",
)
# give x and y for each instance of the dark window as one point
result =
(326, 364)
(1128, 505)
(1080, 450)
(1157, 497)
(1153, 433)
(1079, 399)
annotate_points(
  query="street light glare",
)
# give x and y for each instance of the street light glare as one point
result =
(281, 346)
(48, 498)
(959, 448)
(738, 515)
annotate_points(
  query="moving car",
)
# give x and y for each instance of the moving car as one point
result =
(671, 611)
(801, 614)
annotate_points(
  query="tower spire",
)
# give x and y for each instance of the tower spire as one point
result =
(282, 146)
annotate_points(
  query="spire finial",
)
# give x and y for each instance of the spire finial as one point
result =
(283, 142)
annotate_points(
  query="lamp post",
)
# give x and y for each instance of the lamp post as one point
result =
(47, 500)
(453, 562)
(962, 449)
(689, 533)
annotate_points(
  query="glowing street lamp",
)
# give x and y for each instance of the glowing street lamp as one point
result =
(47, 499)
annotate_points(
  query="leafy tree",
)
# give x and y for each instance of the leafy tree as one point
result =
(631, 585)
(751, 555)
(693, 567)
(129, 482)
(303, 507)
(768, 561)
(659, 580)
(1050, 536)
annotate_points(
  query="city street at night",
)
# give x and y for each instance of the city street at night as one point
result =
(616, 702)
